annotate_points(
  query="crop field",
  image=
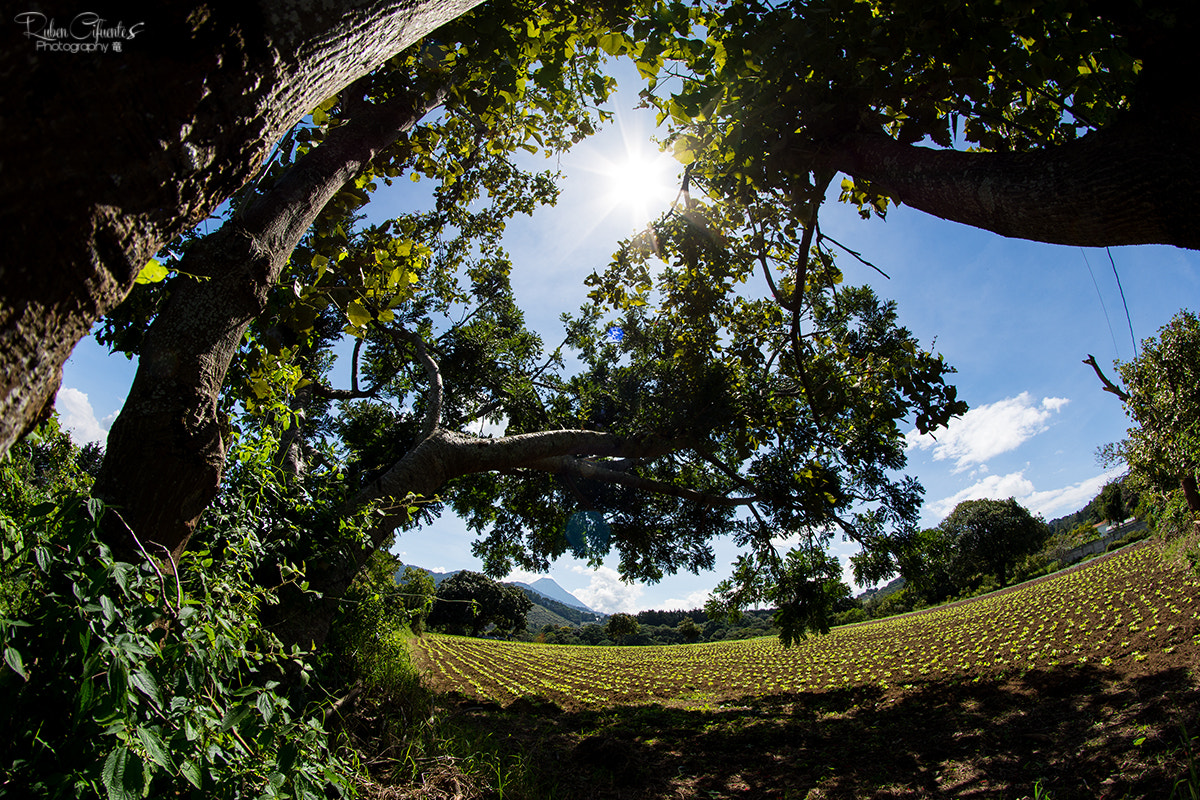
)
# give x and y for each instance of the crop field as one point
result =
(1122, 609)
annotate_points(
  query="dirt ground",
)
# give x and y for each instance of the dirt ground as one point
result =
(1086, 732)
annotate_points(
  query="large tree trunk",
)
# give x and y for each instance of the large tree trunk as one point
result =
(166, 450)
(106, 156)
(1135, 182)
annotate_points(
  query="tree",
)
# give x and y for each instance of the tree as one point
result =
(177, 120)
(469, 602)
(1110, 504)
(782, 97)
(689, 631)
(705, 402)
(167, 448)
(989, 536)
(417, 593)
(1162, 400)
(776, 98)
(621, 626)
(926, 562)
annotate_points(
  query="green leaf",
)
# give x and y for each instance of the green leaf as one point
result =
(42, 556)
(122, 775)
(266, 706)
(611, 43)
(358, 314)
(95, 508)
(42, 509)
(108, 608)
(145, 683)
(234, 716)
(13, 658)
(191, 771)
(155, 748)
(321, 263)
(286, 759)
(153, 272)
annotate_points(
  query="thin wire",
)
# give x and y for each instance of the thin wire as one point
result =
(1132, 338)
(1102, 306)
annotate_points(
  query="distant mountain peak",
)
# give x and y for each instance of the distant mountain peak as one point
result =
(547, 587)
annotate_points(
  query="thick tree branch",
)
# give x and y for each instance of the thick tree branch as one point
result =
(436, 395)
(426, 468)
(590, 470)
(1133, 182)
(166, 450)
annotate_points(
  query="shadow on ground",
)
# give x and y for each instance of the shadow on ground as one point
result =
(1080, 732)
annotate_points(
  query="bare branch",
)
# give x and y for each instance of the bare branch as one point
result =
(433, 414)
(857, 255)
(354, 365)
(1109, 386)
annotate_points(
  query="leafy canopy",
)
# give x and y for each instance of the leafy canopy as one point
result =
(1162, 401)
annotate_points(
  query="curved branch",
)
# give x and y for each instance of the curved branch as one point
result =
(590, 470)
(433, 413)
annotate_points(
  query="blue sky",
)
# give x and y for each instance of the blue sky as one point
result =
(1015, 318)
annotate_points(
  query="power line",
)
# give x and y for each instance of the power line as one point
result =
(1127, 318)
(1101, 298)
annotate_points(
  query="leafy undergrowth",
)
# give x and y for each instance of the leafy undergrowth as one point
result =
(1083, 686)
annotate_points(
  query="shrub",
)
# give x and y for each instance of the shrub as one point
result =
(130, 680)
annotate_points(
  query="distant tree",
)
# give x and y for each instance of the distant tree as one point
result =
(592, 634)
(417, 592)
(621, 626)
(926, 565)
(689, 630)
(805, 587)
(1162, 399)
(468, 602)
(989, 536)
(1110, 503)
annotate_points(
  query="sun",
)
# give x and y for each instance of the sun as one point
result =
(641, 182)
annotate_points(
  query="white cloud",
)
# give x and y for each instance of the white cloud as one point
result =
(694, 600)
(993, 487)
(607, 592)
(987, 431)
(1069, 499)
(1054, 403)
(1049, 503)
(75, 413)
(521, 576)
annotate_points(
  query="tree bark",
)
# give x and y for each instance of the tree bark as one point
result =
(166, 450)
(1134, 182)
(1190, 492)
(108, 155)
